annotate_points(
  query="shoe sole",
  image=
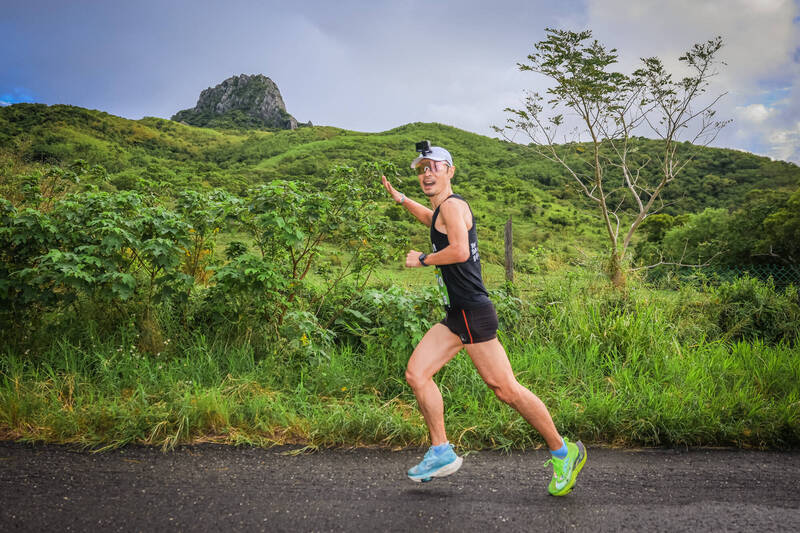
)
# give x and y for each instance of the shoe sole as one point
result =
(446, 470)
(578, 467)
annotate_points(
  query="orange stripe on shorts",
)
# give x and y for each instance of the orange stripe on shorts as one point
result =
(467, 324)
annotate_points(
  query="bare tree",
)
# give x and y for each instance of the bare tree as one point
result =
(608, 107)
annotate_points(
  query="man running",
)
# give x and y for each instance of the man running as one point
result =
(470, 323)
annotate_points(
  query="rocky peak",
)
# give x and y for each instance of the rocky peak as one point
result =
(252, 101)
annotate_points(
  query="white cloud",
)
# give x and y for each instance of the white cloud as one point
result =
(755, 113)
(761, 76)
(758, 35)
(785, 144)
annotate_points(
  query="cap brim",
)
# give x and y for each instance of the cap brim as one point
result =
(416, 161)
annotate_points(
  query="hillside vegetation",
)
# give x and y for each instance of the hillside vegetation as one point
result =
(35, 133)
(500, 179)
(246, 286)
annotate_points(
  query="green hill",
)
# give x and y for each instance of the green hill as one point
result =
(500, 179)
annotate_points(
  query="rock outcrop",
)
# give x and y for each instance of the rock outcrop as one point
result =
(244, 101)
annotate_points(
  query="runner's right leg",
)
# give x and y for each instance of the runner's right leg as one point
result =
(437, 347)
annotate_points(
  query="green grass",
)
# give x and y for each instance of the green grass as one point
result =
(612, 370)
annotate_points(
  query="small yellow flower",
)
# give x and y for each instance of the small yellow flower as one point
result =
(304, 340)
(344, 389)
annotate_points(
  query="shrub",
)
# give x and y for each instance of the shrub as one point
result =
(97, 246)
(246, 291)
(751, 309)
(394, 318)
(305, 337)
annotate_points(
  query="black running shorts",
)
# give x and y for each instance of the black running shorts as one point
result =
(473, 325)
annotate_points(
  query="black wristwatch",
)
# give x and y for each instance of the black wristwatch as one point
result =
(422, 259)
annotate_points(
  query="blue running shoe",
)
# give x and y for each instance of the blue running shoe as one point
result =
(436, 465)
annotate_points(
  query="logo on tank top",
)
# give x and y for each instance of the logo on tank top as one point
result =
(443, 294)
(473, 248)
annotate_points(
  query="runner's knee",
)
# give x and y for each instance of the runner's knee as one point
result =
(506, 393)
(414, 379)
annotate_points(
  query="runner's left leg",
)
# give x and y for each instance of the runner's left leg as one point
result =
(493, 366)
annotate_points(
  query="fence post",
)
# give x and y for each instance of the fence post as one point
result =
(509, 253)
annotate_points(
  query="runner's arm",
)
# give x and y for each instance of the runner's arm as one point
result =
(452, 214)
(422, 213)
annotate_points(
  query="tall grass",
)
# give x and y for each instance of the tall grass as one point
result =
(614, 369)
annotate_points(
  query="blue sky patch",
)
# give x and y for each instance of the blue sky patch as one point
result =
(774, 95)
(16, 96)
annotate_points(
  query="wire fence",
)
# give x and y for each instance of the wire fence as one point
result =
(781, 275)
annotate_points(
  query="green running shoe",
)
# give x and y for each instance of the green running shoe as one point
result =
(565, 471)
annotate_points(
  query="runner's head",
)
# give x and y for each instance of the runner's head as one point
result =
(435, 170)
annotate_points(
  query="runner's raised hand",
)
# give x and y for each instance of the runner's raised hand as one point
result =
(396, 196)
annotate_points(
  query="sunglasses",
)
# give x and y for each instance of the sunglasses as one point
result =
(433, 166)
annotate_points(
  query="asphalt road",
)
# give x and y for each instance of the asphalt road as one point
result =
(225, 488)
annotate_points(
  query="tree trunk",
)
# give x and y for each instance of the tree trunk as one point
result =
(509, 253)
(616, 271)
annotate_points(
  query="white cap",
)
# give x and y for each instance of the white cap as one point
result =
(437, 153)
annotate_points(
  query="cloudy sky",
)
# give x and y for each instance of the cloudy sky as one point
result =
(374, 65)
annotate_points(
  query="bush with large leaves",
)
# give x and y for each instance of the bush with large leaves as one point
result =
(101, 246)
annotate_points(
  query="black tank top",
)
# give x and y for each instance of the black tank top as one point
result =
(461, 283)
